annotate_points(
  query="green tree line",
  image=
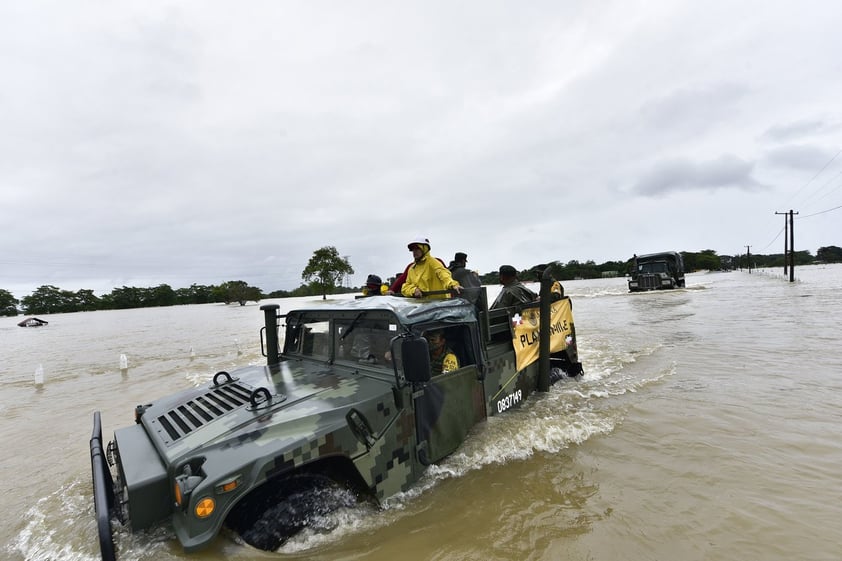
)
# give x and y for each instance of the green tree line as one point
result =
(693, 261)
(326, 269)
(49, 299)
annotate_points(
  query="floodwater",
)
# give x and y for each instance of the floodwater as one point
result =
(708, 426)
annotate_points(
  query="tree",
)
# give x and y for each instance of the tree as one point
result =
(47, 299)
(125, 298)
(162, 295)
(240, 292)
(8, 303)
(828, 254)
(196, 294)
(87, 301)
(326, 269)
(303, 290)
(706, 259)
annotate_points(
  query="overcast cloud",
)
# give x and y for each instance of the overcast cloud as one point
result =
(152, 142)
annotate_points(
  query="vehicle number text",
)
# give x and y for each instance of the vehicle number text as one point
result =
(509, 401)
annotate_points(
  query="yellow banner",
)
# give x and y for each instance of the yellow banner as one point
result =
(526, 331)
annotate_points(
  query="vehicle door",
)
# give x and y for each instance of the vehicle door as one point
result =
(449, 404)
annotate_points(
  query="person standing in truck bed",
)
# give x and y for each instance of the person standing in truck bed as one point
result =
(374, 286)
(466, 278)
(514, 293)
(427, 274)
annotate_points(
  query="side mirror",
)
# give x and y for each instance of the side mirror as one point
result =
(416, 359)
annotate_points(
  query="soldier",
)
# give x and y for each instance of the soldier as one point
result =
(556, 290)
(513, 292)
(374, 286)
(465, 277)
(442, 358)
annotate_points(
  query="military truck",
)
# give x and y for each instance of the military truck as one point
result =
(345, 409)
(656, 271)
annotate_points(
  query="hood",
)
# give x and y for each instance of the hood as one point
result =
(306, 398)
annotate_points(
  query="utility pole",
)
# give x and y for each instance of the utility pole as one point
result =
(748, 258)
(789, 243)
(786, 240)
(791, 247)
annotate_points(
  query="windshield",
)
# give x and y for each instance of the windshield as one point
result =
(364, 341)
(311, 339)
(656, 267)
(358, 339)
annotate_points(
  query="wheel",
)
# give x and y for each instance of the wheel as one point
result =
(278, 510)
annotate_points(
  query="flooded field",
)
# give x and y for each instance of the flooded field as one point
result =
(708, 426)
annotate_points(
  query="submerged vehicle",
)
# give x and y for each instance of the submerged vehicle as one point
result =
(33, 322)
(657, 271)
(348, 400)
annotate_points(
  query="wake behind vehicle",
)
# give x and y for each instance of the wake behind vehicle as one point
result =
(349, 409)
(657, 271)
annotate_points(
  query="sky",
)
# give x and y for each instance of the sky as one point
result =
(150, 142)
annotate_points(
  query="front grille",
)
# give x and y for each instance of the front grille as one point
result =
(195, 413)
(649, 281)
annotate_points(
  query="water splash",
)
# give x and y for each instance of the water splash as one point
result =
(50, 533)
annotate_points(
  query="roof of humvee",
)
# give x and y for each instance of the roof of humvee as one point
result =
(409, 311)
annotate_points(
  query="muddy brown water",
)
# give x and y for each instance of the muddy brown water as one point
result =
(708, 427)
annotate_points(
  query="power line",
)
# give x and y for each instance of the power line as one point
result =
(820, 212)
(817, 174)
(781, 231)
(820, 189)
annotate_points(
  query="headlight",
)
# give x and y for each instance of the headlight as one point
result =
(185, 483)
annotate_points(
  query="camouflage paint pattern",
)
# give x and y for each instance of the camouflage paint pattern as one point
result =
(262, 422)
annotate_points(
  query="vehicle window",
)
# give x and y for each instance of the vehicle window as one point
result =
(458, 341)
(364, 342)
(314, 339)
(659, 267)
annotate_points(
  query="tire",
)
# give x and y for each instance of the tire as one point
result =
(272, 514)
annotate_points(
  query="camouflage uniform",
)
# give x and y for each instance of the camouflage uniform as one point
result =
(467, 279)
(514, 294)
(444, 362)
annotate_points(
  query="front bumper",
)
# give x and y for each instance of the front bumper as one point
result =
(103, 492)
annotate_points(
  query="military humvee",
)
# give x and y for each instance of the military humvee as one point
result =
(349, 402)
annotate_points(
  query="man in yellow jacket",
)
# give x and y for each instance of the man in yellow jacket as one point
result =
(427, 274)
